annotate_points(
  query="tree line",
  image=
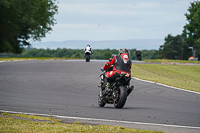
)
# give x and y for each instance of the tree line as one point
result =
(79, 53)
(177, 47)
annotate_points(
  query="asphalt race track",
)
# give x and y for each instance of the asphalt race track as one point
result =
(70, 88)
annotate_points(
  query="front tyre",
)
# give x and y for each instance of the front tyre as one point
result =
(101, 102)
(87, 58)
(121, 97)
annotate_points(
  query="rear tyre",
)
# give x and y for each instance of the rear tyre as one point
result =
(140, 58)
(87, 58)
(122, 96)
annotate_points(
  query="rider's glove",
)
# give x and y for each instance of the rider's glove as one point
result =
(102, 69)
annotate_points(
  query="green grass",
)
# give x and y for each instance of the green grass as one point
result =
(181, 76)
(34, 117)
(9, 124)
(171, 61)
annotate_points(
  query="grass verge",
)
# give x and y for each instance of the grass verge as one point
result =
(34, 117)
(10, 124)
(181, 76)
(165, 61)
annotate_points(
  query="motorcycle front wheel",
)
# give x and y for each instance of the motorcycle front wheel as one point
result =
(101, 102)
(121, 97)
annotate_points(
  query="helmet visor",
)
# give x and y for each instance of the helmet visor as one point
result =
(124, 50)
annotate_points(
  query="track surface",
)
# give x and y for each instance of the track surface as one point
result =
(69, 88)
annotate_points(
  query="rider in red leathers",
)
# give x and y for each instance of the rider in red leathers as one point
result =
(121, 64)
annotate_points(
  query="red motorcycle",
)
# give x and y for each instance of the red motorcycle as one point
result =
(118, 93)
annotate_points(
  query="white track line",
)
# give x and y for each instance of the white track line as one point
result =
(164, 85)
(102, 120)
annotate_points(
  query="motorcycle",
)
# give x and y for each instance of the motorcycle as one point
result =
(139, 57)
(87, 56)
(118, 93)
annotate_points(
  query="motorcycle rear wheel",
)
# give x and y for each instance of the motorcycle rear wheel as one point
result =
(87, 59)
(122, 96)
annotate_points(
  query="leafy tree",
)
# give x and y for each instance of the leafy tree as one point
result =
(148, 54)
(107, 55)
(192, 28)
(22, 20)
(174, 48)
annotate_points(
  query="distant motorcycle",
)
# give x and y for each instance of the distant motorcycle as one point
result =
(87, 56)
(118, 93)
(139, 57)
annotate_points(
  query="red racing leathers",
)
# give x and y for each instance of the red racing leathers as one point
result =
(121, 64)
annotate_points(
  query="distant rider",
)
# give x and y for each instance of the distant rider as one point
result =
(138, 54)
(121, 64)
(88, 49)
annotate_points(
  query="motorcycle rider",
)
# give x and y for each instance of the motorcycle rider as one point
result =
(138, 54)
(121, 64)
(88, 49)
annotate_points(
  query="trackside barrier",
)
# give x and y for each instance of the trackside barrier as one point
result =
(9, 55)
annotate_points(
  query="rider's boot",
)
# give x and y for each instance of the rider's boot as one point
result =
(107, 87)
(130, 88)
(127, 86)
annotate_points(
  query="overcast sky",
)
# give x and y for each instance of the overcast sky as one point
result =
(99, 20)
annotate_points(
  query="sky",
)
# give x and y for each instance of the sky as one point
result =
(99, 20)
